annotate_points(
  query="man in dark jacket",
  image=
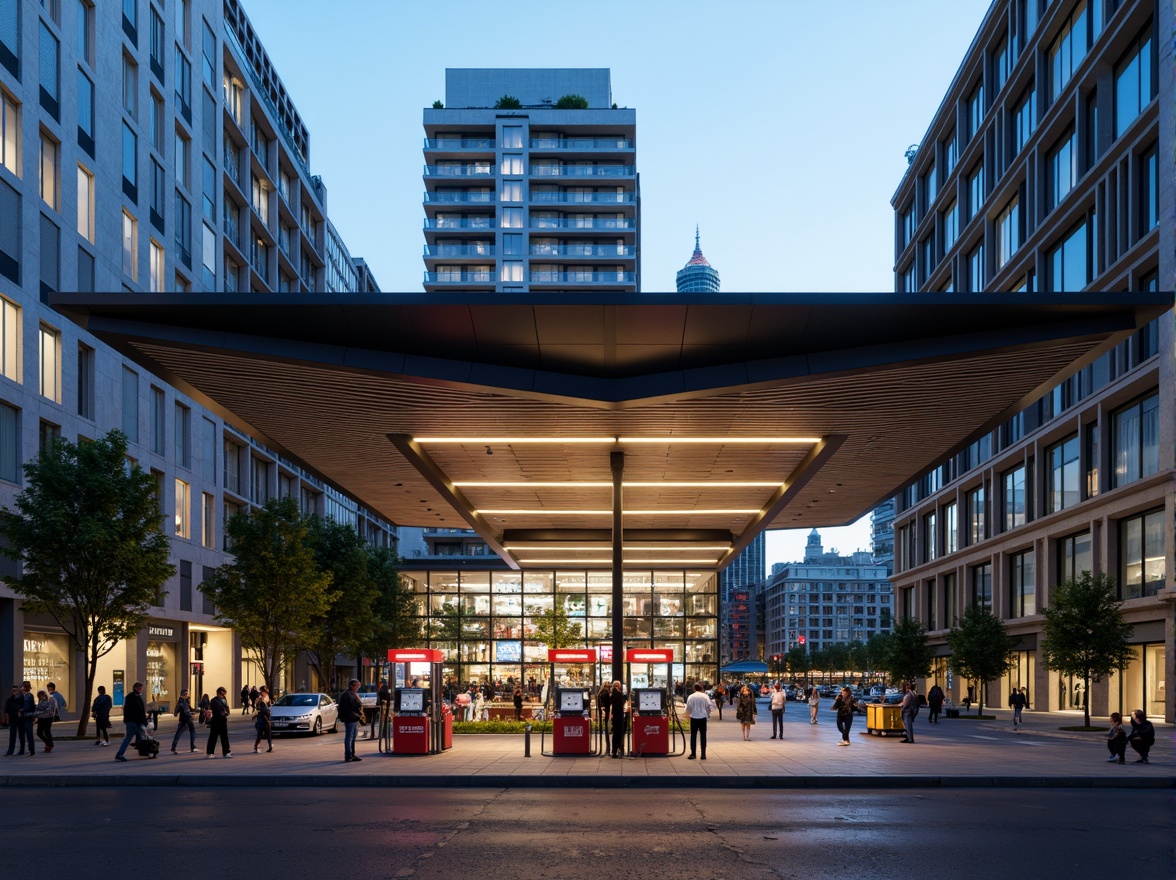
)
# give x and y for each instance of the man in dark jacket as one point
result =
(617, 700)
(1141, 738)
(12, 707)
(28, 715)
(351, 714)
(100, 709)
(134, 717)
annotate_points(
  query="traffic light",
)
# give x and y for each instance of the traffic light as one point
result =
(800, 640)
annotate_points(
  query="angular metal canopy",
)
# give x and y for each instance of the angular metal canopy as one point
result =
(733, 413)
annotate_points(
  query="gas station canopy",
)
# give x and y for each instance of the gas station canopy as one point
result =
(702, 418)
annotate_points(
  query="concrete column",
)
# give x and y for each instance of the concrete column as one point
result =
(617, 465)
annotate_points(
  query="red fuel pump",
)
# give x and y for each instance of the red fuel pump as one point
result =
(570, 703)
(652, 708)
(421, 724)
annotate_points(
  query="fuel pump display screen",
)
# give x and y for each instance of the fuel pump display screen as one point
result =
(411, 701)
(651, 702)
(571, 700)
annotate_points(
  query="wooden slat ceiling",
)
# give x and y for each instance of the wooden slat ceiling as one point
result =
(896, 406)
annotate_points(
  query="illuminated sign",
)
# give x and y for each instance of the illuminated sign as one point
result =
(558, 655)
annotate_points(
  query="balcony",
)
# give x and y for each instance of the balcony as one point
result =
(588, 143)
(450, 197)
(465, 277)
(459, 143)
(539, 170)
(583, 277)
(584, 223)
(232, 230)
(461, 222)
(582, 198)
(479, 170)
(459, 250)
(583, 250)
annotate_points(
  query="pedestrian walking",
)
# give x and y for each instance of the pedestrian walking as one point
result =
(909, 709)
(100, 711)
(244, 699)
(205, 712)
(183, 712)
(27, 716)
(262, 721)
(698, 708)
(253, 695)
(1141, 738)
(12, 707)
(814, 702)
(218, 724)
(351, 714)
(44, 712)
(1017, 701)
(720, 698)
(935, 698)
(59, 700)
(603, 704)
(1117, 740)
(518, 703)
(779, 700)
(134, 718)
(745, 711)
(843, 706)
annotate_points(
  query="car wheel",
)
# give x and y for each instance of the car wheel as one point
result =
(318, 727)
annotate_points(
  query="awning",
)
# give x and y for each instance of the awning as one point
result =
(746, 667)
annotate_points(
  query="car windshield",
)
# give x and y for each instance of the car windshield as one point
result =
(298, 700)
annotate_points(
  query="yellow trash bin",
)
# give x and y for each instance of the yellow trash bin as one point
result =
(883, 719)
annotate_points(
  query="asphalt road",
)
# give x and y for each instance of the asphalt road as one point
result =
(575, 834)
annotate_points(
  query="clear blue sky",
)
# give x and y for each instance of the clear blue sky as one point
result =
(779, 126)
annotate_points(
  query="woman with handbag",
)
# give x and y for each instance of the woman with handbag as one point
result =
(745, 711)
(261, 720)
(205, 713)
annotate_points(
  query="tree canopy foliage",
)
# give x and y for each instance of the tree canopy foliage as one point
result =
(981, 650)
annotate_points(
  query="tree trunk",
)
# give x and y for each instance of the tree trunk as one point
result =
(88, 696)
(1086, 698)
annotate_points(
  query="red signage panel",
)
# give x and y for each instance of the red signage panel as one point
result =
(410, 735)
(415, 655)
(567, 655)
(651, 735)
(571, 736)
(649, 655)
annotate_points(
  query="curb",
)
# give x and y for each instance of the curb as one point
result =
(580, 782)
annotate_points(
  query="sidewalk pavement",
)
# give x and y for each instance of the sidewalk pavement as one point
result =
(954, 753)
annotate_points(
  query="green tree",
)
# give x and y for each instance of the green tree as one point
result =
(437, 105)
(553, 628)
(981, 650)
(87, 528)
(348, 622)
(858, 657)
(1084, 633)
(877, 647)
(507, 102)
(572, 102)
(397, 621)
(907, 655)
(273, 591)
(797, 661)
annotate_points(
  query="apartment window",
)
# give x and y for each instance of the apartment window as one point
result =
(10, 227)
(512, 137)
(208, 257)
(512, 164)
(1135, 84)
(982, 586)
(1090, 132)
(158, 420)
(208, 190)
(1015, 499)
(1061, 169)
(85, 204)
(208, 56)
(1000, 64)
(512, 218)
(157, 42)
(183, 35)
(130, 14)
(130, 246)
(512, 270)
(85, 112)
(951, 534)
(47, 435)
(158, 279)
(208, 520)
(908, 225)
(10, 36)
(130, 404)
(1062, 481)
(976, 108)
(183, 427)
(974, 500)
(930, 537)
(49, 362)
(158, 195)
(183, 151)
(951, 154)
(50, 151)
(930, 188)
(1067, 50)
(512, 191)
(183, 224)
(1141, 555)
(85, 45)
(158, 122)
(1068, 265)
(260, 194)
(50, 54)
(1149, 191)
(10, 340)
(1022, 589)
(85, 270)
(949, 600)
(208, 449)
(951, 225)
(1092, 459)
(259, 140)
(183, 506)
(976, 191)
(927, 257)
(130, 87)
(512, 245)
(183, 85)
(50, 245)
(910, 283)
(1074, 556)
(1136, 441)
(86, 381)
(130, 162)
(976, 269)
(1008, 232)
(234, 459)
(260, 482)
(9, 132)
(1024, 119)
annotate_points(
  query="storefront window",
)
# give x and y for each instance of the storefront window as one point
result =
(46, 659)
(161, 672)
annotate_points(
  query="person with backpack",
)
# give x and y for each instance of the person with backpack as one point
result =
(1017, 702)
(909, 710)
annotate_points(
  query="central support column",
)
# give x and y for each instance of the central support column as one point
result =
(617, 465)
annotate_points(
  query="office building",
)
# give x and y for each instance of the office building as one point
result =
(531, 184)
(739, 583)
(149, 147)
(1043, 171)
(827, 598)
(697, 276)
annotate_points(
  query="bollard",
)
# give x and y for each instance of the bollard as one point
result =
(527, 740)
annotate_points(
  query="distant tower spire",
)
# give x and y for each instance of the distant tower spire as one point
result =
(698, 276)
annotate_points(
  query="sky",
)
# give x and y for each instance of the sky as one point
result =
(778, 126)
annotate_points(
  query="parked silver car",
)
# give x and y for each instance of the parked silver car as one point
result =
(304, 713)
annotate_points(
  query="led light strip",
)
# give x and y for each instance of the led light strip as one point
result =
(560, 441)
(542, 512)
(635, 546)
(592, 484)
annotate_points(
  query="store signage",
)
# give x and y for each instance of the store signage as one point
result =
(563, 655)
(650, 655)
(415, 655)
(166, 632)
